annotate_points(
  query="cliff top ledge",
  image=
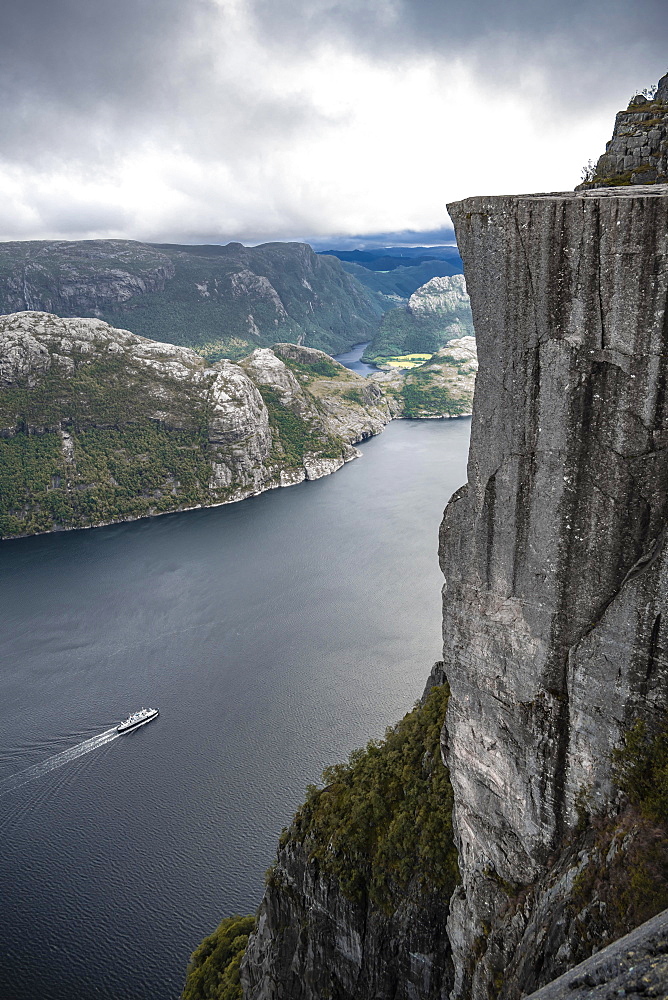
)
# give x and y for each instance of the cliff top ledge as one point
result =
(635, 191)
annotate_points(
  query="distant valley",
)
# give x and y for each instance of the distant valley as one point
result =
(394, 273)
(224, 301)
(137, 379)
(221, 300)
(437, 312)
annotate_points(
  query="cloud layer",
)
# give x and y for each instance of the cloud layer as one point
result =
(209, 120)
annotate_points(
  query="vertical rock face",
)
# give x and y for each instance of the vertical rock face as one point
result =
(554, 553)
(312, 943)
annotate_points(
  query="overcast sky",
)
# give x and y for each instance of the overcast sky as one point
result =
(251, 120)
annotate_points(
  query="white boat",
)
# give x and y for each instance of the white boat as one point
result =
(137, 719)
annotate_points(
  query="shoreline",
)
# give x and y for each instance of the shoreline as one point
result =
(221, 503)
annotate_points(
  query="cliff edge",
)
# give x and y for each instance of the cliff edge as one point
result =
(554, 626)
(554, 556)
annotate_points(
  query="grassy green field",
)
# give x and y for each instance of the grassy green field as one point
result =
(404, 361)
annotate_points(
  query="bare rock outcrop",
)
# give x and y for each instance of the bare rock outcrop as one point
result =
(554, 554)
(635, 966)
(637, 153)
(445, 298)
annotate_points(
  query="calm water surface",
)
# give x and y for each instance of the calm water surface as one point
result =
(351, 359)
(274, 635)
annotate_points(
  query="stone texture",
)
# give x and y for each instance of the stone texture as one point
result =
(554, 553)
(637, 153)
(313, 943)
(634, 966)
(444, 298)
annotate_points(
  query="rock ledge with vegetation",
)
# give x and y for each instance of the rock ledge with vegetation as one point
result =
(100, 425)
(440, 387)
(637, 153)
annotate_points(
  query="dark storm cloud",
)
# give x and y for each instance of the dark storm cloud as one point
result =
(82, 74)
(72, 60)
(583, 46)
(87, 78)
(86, 85)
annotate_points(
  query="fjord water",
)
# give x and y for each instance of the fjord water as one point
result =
(353, 359)
(274, 635)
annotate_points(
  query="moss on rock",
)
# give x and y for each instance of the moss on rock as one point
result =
(213, 972)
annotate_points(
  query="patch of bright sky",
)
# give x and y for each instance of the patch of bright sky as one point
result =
(352, 145)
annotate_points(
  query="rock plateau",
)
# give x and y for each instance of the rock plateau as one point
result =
(554, 556)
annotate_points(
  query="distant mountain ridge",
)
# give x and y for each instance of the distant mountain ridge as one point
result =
(394, 273)
(222, 300)
(389, 258)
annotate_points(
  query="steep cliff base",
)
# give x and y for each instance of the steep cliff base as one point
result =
(356, 903)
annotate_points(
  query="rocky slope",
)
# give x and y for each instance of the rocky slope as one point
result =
(436, 313)
(441, 387)
(637, 153)
(357, 898)
(635, 966)
(224, 300)
(98, 425)
(442, 298)
(556, 577)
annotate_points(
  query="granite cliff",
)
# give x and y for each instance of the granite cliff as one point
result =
(98, 425)
(554, 679)
(556, 580)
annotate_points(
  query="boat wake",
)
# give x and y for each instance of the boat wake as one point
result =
(58, 760)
